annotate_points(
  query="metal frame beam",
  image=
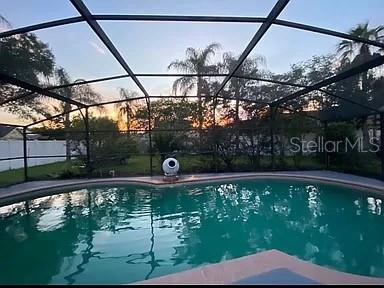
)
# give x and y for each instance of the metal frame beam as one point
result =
(37, 89)
(272, 116)
(377, 61)
(88, 17)
(12, 125)
(308, 86)
(382, 144)
(87, 144)
(269, 80)
(235, 19)
(328, 32)
(25, 154)
(86, 14)
(52, 117)
(181, 18)
(172, 97)
(184, 75)
(267, 23)
(77, 83)
(276, 10)
(349, 100)
(40, 26)
(132, 99)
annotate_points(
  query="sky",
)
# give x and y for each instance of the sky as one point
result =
(149, 47)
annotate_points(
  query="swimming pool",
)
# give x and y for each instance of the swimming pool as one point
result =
(128, 233)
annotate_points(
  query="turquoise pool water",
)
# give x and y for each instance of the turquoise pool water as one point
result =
(122, 234)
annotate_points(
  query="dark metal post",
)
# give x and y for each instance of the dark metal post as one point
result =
(382, 144)
(326, 160)
(272, 111)
(150, 138)
(25, 151)
(87, 144)
(214, 134)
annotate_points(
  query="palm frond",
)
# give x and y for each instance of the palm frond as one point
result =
(184, 85)
(209, 51)
(185, 66)
(191, 53)
(4, 22)
(126, 94)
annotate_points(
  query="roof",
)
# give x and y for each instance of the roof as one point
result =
(5, 129)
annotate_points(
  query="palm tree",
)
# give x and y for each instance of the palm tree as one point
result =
(82, 93)
(64, 79)
(126, 108)
(237, 86)
(197, 61)
(355, 53)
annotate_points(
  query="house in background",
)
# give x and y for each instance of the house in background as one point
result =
(10, 133)
(16, 133)
(12, 148)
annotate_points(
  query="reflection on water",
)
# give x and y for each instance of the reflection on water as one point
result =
(130, 233)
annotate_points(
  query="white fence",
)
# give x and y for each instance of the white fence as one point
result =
(14, 148)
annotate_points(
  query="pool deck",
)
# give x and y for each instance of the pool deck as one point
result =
(268, 267)
(26, 190)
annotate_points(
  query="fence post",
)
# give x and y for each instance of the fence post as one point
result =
(87, 143)
(25, 152)
(382, 144)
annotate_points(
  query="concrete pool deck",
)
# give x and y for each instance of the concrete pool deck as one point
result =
(30, 189)
(255, 269)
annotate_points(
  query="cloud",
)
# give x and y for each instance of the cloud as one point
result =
(97, 47)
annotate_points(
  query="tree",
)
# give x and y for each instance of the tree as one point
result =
(169, 116)
(342, 157)
(165, 142)
(27, 58)
(197, 61)
(239, 87)
(126, 108)
(290, 126)
(355, 53)
(105, 147)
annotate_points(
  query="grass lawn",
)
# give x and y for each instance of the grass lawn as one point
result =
(139, 165)
(47, 171)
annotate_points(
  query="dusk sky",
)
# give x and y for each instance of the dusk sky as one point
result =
(149, 47)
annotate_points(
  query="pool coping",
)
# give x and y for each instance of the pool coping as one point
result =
(26, 190)
(231, 271)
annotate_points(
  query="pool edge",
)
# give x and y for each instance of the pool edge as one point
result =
(56, 186)
(233, 270)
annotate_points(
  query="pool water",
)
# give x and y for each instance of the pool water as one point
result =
(127, 233)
